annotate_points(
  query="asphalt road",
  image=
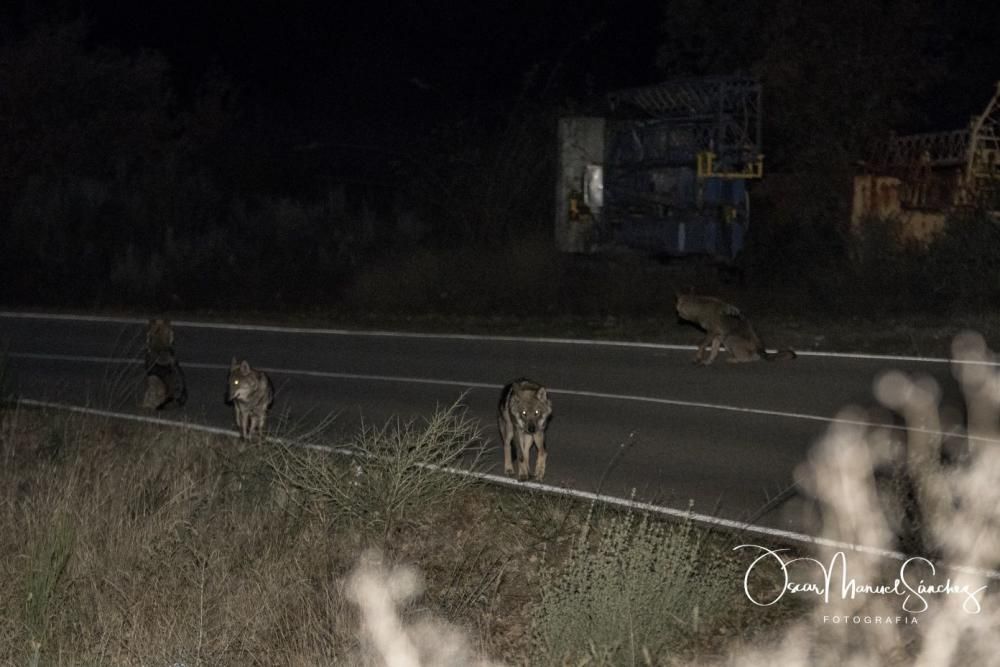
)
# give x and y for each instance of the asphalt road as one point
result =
(726, 437)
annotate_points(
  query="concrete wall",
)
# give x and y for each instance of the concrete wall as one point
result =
(581, 142)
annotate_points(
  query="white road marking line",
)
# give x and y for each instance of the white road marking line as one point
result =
(268, 328)
(634, 398)
(662, 510)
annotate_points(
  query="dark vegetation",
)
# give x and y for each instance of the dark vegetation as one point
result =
(127, 180)
(130, 544)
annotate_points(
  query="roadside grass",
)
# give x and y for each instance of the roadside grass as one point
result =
(135, 544)
(634, 592)
(396, 476)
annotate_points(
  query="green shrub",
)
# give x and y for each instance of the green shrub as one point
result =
(47, 567)
(520, 278)
(961, 263)
(885, 270)
(395, 475)
(640, 588)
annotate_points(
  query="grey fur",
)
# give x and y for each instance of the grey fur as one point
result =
(251, 394)
(523, 416)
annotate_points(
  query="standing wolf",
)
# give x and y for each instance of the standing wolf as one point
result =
(164, 378)
(251, 393)
(523, 415)
(724, 324)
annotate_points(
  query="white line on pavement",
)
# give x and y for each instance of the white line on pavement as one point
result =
(228, 326)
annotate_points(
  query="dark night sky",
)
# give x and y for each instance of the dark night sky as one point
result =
(343, 67)
(317, 61)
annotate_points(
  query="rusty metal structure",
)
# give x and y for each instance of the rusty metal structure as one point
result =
(664, 170)
(924, 177)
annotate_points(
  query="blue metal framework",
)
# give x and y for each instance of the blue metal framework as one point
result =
(677, 157)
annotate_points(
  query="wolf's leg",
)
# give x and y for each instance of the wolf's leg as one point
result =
(507, 442)
(542, 454)
(523, 453)
(699, 355)
(257, 421)
(180, 385)
(736, 353)
(741, 356)
(242, 420)
(716, 342)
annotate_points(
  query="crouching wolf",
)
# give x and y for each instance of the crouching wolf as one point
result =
(251, 394)
(724, 324)
(164, 378)
(523, 415)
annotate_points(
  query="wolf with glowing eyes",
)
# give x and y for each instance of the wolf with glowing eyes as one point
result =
(523, 416)
(251, 394)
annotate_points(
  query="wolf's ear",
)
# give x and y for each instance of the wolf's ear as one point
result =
(244, 367)
(233, 364)
(541, 394)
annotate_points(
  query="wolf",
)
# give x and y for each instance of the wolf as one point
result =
(523, 415)
(156, 395)
(165, 382)
(159, 342)
(724, 324)
(251, 394)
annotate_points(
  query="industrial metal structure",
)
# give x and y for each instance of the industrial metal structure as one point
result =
(922, 178)
(664, 171)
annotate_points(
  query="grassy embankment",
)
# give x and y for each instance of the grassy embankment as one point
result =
(135, 544)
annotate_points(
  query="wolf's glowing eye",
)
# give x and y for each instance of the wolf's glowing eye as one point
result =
(537, 412)
(236, 381)
(524, 413)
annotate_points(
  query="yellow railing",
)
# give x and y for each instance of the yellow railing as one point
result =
(707, 169)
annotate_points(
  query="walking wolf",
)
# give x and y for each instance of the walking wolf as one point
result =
(724, 324)
(523, 415)
(251, 393)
